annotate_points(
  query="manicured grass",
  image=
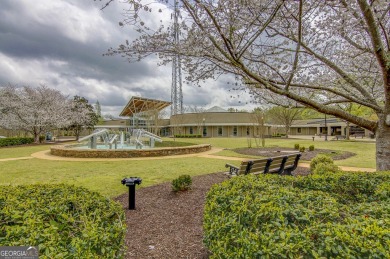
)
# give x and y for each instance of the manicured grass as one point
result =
(231, 153)
(105, 177)
(365, 151)
(21, 151)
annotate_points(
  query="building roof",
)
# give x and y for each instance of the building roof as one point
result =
(139, 104)
(216, 109)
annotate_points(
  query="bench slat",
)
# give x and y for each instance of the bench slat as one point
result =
(280, 164)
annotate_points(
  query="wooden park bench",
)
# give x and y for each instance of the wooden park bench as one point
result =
(361, 135)
(282, 165)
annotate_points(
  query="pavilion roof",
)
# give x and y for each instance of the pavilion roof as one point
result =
(139, 104)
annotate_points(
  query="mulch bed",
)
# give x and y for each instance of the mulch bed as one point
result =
(279, 151)
(167, 224)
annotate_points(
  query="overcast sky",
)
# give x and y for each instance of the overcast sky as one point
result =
(60, 43)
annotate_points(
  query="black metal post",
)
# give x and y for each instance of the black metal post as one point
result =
(131, 182)
(132, 197)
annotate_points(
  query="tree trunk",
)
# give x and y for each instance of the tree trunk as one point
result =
(382, 146)
(36, 138)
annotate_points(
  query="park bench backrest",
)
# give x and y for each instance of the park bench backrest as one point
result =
(279, 165)
(277, 161)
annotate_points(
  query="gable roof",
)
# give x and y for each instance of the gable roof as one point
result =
(139, 104)
(216, 109)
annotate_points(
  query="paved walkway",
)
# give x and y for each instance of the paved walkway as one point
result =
(208, 154)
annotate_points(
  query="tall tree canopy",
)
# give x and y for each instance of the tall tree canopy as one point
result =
(317, 53)
(38, 110)
(284, 116)
(34, 110)
(82, 114)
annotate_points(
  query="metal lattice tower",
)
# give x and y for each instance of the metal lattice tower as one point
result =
(176, 91)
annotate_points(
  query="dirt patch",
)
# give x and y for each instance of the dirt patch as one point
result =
(279, 151)
(167, 224)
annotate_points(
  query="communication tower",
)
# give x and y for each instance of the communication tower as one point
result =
(176, 90)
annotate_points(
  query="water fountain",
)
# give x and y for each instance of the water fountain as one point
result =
(134, 143)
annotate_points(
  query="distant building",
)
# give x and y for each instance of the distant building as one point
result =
(214, 122)
(331, 127)
(217, 122)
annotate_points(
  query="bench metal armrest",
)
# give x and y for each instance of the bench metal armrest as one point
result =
(233, 170)
(289, 170)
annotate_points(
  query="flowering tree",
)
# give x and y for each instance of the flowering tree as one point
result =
(82, 114)
(34, 110)
(317, 53)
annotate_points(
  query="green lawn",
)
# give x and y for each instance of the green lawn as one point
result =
(105, 177)
(22, 151)
(365, 151)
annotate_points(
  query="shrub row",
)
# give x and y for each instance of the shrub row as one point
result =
(319, 216)
(189, 136)
(63, 221)
(302, 149)
(15, 141)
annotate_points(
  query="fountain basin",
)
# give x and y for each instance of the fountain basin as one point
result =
(76, 151)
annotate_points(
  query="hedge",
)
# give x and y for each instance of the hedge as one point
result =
(189, 136)
(320, 216)
(15, 141)
(63, 221)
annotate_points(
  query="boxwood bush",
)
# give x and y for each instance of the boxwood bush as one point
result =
(320, 159)
(319, 216)
(63, 221)
(182, 183)
(325, 168)
(15, 141)
(188, 136)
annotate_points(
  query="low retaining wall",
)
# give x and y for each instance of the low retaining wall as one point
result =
(68, 151)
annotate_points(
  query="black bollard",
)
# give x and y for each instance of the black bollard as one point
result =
(131, 182)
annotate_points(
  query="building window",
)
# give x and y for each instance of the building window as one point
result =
(248, 131)
(204, 131)
(235, 131)
(219, 131)
(191, 130)
(299, 130)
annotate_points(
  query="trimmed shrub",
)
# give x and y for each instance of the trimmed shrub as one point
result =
(63, 221)
(296, 146)
(188, 136)
(320, 159)
(320, 216)
(302, 149)
(182, 183)
(323, 168)
(15, 141)
(311, 148)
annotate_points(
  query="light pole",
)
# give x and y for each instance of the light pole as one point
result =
(204, 127)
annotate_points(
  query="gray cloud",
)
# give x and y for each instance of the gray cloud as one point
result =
(60, 44)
